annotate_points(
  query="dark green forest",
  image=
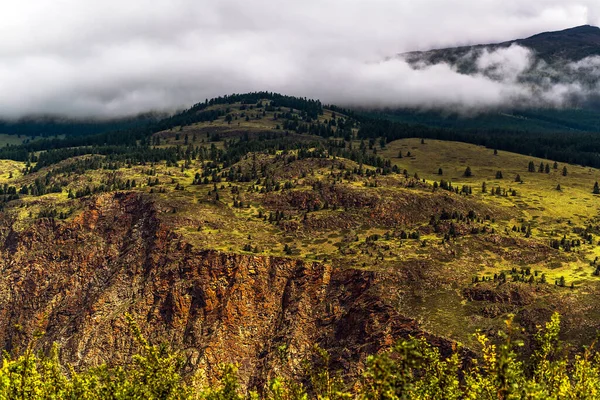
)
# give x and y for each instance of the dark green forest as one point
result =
(566, 136)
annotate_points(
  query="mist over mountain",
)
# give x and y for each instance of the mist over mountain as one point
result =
(552, 69)
(549, 82)
(570, 45)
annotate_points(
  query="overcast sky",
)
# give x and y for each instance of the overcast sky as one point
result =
(113, 58)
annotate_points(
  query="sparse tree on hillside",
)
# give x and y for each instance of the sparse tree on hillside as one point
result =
(547, 168)
(440, 172)
(499, 175)
(596, 188)
(531, 167)
(565, 172)
(468, 173)
(518, 178)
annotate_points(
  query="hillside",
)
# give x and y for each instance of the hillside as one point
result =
(254, 223)
(539, 121)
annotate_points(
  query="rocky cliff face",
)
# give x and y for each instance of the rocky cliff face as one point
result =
(75, 280)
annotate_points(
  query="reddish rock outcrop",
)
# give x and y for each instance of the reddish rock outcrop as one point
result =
(75, 281)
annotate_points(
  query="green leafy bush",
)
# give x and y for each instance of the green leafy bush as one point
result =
(411, 369)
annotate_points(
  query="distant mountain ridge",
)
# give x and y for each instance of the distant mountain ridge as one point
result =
(562, 64)
(570, 45)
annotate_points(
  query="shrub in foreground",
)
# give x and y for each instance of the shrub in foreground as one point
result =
(411, 369)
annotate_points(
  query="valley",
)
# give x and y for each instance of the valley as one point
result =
(254, 234)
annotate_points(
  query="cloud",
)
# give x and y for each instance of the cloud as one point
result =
(501, 80)
(113, 58)
(589, 66)
(505, 64)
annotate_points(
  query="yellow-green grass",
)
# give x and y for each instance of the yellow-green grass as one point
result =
(224, 227)
(537, 198)
(550, 212)
(10, 168)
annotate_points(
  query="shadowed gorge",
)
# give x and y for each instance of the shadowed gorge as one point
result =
(117, 257)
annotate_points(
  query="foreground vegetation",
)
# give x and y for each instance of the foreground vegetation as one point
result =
(411, 369)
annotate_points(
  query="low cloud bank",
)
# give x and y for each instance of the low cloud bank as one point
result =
(110, 59)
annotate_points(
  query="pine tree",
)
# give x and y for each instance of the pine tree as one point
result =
(596, 188)
(287, 250)
(468, 172)
(564, 172)
(499, 175)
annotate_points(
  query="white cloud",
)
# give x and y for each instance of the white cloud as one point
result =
(506, 63)
(108, 58)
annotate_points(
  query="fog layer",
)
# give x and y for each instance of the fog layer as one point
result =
(113, 58)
